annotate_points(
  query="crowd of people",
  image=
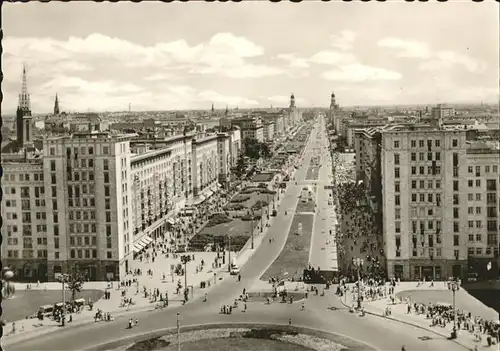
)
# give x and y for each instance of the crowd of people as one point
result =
(443, 314)
(357, 236)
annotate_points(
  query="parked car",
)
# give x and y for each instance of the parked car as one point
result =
(235, 270)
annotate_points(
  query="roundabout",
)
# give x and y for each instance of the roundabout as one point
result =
(238, 337)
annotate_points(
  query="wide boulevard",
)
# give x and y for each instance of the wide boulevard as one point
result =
(321, 312)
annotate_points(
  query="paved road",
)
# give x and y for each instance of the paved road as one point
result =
(323, 251)
(367, 329)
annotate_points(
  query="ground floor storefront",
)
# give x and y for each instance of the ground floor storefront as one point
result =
(427, 269)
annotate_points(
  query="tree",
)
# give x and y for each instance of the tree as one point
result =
(252, 148)
(240, 166)
(265, 151)
(74, 282)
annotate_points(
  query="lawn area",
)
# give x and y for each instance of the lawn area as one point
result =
(294, 257)
(238, 230)
(463, 301)
(26, 303)
(263, 177)
(312, 173)
(305, 206)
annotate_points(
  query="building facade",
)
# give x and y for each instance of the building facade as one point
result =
(92, 200)
(205, 162)
(435, 202)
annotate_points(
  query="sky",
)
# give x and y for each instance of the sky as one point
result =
(166, 56)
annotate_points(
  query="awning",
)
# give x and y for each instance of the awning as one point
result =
(142, 243)
(199, 200)
(219, 185)
(171, 221)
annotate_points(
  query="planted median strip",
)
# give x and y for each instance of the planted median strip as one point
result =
(294, 257)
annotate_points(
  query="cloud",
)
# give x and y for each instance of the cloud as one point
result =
(224, 54)
(448, 59)
(343, 41)
(357, 72)
(159, 77)
(406, 48)
(329, 57)
(294, 61)
(434, 61)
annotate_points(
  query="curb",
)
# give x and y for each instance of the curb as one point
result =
(412, 325)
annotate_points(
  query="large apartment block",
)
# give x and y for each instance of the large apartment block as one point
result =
(92, 200)
(440, 201)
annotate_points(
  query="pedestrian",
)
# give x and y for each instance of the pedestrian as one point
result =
(245, 307)
(289, 321)
(130, 323)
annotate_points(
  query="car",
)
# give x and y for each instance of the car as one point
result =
(235, 270)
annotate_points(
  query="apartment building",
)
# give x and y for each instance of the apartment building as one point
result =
(268, 129)
(92, 200)
(251, 127)
(431, 177)
(205, 162)
(441, 111)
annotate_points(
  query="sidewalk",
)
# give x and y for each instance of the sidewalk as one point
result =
(30, 328)
(399, 313)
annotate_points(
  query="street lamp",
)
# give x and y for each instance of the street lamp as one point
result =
(63, 278)
(178, 332)
(358, 263)
(185, 259)
(251, 227)
(454, 286)
(229, 253)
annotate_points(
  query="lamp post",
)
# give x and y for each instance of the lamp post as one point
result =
(229, 253)
(251, 228)
(358, 263)
(63, 278)
(261, 218)
(178, 332)
(454, 287)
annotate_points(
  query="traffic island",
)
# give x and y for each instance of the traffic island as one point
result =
(240, 337)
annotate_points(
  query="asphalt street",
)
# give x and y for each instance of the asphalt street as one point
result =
(379, 333)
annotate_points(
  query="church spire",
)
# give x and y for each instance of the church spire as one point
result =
(56, 106)
(227, 110)
(24, 97)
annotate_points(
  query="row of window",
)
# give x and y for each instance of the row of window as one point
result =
(83, 228)
(492, 239)
(86, 253)
(430, 198)
(431, 170)
(438, 252)
(25, 177)
(85, 240)
(421, 143)
(487, 169)
(421, 156)
(85, 215)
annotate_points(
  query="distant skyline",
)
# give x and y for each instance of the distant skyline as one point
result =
(156, 56)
